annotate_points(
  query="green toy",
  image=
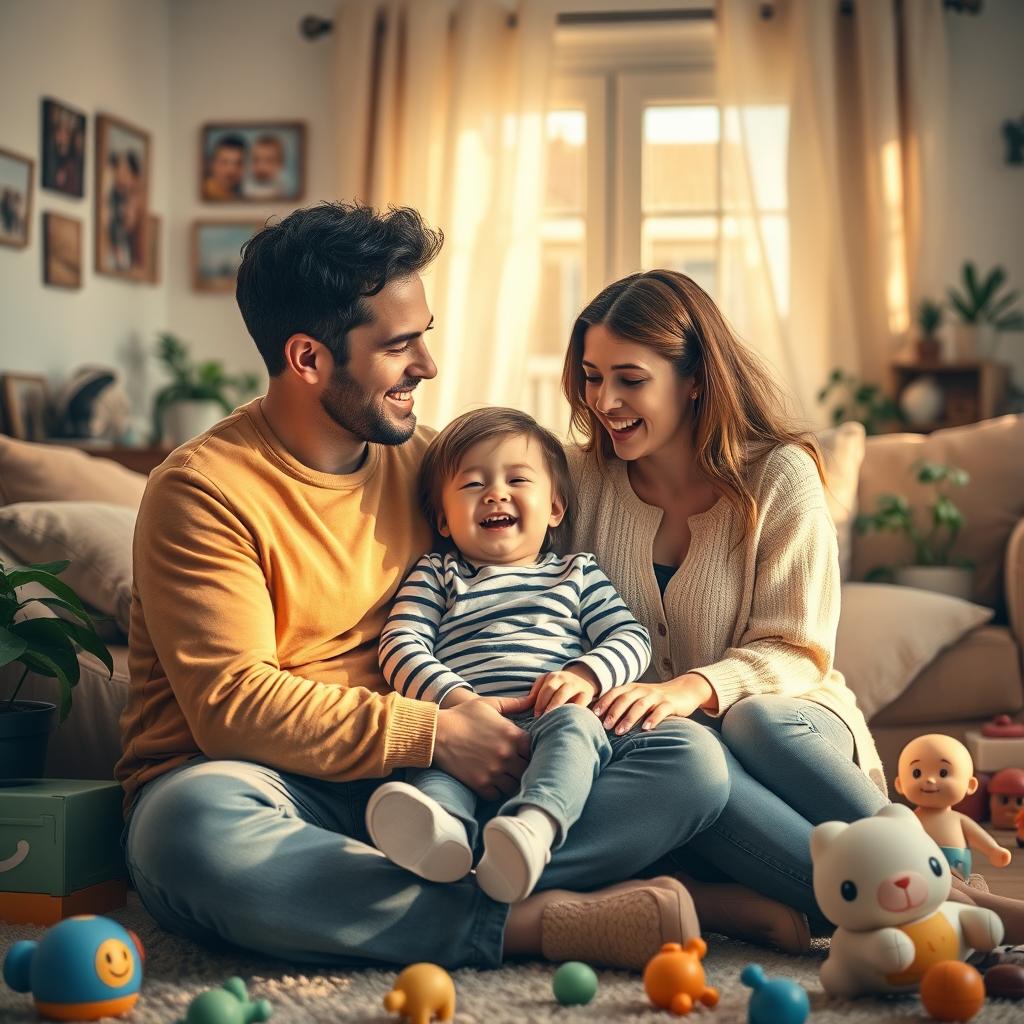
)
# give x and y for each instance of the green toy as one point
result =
(228, 1004)
(574, 984)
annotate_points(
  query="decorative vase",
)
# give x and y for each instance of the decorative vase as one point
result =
(24, 733)
(956, 581)
(965, 341)
(921, 401)
(187, 419)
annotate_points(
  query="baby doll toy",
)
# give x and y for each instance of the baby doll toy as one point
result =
(936, 772)
(884, 883)
(1006, 797)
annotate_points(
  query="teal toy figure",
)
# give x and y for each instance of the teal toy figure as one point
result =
(84, 968)
(775, 1001)
(574, 984)
(228, 1004)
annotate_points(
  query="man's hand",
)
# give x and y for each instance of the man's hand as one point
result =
(574, 685)
(480, 747)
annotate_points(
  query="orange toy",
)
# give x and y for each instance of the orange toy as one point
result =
(1019, 824)
(952, 990)
(421, 992)
(674, 978)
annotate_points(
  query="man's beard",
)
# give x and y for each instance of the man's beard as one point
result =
(362, 415)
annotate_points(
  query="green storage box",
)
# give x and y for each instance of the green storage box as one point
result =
(59, 835)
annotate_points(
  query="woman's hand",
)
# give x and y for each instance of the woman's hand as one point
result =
(622, 707)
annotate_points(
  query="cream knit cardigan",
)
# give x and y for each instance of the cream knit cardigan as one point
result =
(752, 616)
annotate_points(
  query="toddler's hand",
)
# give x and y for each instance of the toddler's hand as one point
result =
(568, 686)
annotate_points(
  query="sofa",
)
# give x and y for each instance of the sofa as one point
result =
(918, 662)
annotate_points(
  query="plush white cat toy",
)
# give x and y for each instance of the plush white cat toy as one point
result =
(883, 881)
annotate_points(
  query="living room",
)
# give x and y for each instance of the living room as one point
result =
(838, 177)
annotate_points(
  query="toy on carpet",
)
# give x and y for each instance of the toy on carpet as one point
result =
(83, 968)
(952, 990)
(936, 772)
(574, 984)
(229, 1004)
(1003, 727)
(1018, 823)
(1006, 797)
(884, 883)
(421, 992)
(674, 978)
(1005, 981)
(775, 1000)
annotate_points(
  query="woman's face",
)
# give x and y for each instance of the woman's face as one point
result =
(635, 392)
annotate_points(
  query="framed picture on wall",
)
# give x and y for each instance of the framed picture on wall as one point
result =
(15, 198)
(153, 249)
(252, 161)
(122, 198)
(62, 250)
(217, 252)
(26, 405)
(63, 136)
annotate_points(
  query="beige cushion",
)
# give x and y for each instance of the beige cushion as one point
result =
(96, 538)
(887, 634)
(47, 472)
(993, 453)
(843, 449)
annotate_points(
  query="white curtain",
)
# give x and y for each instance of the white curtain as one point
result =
(860, 99)
(442, 107)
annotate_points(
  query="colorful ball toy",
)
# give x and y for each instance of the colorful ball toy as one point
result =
(674, 978)
(422, 992)
(83, 968)
(229, 1004)
(775, 1001)
(574, 984)
(952, 990)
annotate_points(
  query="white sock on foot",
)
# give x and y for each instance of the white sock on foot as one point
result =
(516, 850)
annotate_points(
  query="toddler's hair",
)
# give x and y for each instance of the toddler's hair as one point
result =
(447, 450)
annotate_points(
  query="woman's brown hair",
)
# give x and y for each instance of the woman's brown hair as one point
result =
(739, 411)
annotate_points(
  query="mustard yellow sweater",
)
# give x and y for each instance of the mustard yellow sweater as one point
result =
(260, 590)
(752, 617)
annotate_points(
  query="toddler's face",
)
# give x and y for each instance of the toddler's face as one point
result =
(935, 771)
(499, 504)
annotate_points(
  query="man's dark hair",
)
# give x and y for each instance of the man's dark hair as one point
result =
(309, 273)
(231, 142)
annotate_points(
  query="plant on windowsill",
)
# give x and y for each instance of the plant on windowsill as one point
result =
(859, 401)
(47, 646)
(933, 567)
(981, 307)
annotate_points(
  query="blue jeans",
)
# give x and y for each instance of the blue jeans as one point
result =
(281, 864)
(791, 767)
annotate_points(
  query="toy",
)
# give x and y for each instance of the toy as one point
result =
(1003, 727)
(422, 992)
(574, 984)
(83, 968)
(1006, 797)
(884, 883)
(936, 772)
(1019, 824)
(674, 978)
(228, 1004)
(775, 1001)
(952, 991)
(1005, 981)
(975, 805)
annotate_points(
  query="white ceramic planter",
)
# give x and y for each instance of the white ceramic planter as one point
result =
(941, 579)
(187, 419)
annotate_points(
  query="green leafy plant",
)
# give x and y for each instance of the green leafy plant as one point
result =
(44, 645)
(859, 401)
(202, 382)
(929, 317)
(981, 302)
(933, 543)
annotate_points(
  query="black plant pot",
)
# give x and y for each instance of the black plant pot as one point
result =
(24, 731)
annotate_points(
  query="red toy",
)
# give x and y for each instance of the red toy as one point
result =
(1019, 822)
(952, 990)
(674, 978)
(1006, 797)
(1003, 727)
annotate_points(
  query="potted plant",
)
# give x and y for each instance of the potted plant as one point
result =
(48, 647)
(929, 318)
(197, 396)
(933, 567)
(859, 401)
(982, 308)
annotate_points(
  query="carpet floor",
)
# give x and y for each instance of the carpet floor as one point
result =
(177, 970)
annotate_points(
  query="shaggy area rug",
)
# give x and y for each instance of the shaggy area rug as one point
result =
(177, 970)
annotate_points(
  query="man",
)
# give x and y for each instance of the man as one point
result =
(266, 555)
(225, 168)
(266, 169)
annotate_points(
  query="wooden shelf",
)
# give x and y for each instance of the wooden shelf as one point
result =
(974, 390)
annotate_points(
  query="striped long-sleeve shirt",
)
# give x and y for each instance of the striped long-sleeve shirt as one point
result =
(495, 629)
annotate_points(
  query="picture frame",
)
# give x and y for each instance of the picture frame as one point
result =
(62, 250)
(122, 198)
(62, 134)
(252, 161)
(26, 404)
(154, 230)
(17, 173)
(216, 254)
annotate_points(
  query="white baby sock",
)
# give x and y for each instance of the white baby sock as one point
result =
(417, 833)
(516, 850)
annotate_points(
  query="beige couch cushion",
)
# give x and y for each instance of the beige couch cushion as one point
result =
(993, 453)
(843, 449)
(48, 472)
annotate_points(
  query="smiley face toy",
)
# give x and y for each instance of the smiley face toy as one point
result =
(84, 968)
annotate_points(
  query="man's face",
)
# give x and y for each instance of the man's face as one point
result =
(371, 397)
(228, 166)
(266, 162)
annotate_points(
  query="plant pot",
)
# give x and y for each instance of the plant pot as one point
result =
(187, 419)
(965, 341)
(24, 732)
(953, 580)
(927, 349)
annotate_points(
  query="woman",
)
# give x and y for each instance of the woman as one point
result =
(706, 509)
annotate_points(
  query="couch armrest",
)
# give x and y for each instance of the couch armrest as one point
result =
(1014, 568)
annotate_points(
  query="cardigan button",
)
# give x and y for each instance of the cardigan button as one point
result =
(662, 631)
(666, 663)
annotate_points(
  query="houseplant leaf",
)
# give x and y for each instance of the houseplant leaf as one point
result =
(19, 577)
(12, 646)
(56, 602)
(48, 641)
(87, 640)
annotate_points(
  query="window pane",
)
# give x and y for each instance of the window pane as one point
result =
(686, 244)
(680, 159)
(566, 176)
(563, 258)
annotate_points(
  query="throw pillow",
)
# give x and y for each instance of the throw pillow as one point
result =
(50, 472)
(888, 634)
(96, 538)
(843, 450)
